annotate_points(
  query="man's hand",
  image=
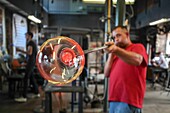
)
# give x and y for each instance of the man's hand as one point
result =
(111, 47)
(18, 49)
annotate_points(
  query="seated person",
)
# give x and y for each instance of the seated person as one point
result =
(161, 63)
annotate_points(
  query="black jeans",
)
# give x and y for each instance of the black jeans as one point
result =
(29, 75)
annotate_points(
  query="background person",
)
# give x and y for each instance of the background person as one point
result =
(161, 66)
(160, 61)
(31, 52)
(126, 68)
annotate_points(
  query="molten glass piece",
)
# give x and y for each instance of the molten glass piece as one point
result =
(60, 60)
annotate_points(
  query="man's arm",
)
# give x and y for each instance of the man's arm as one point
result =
(28, 52)
(127, 56)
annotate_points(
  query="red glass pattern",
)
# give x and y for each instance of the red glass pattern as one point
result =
(60, 60)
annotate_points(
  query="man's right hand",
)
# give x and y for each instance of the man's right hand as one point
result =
(19, 50)
(111, 47)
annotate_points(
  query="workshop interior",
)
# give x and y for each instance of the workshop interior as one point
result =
(70, 36)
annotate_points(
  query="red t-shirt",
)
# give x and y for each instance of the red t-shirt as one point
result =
(127, 82)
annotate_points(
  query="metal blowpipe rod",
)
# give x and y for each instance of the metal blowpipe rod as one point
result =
(96, 49)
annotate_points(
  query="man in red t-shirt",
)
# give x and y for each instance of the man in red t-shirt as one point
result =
(126, 68)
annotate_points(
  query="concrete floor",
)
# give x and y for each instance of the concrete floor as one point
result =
(156, 101)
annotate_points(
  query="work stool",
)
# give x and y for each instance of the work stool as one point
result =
(159, 76)
(15, 85)
(167, 83)
(14, 78)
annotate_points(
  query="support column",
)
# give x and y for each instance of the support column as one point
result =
(120, 13)
(108, 7)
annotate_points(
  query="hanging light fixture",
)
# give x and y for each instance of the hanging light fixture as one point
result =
(34, 19)
(103, 1)
(163, 20)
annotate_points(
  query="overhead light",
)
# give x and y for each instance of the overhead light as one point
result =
(94, 1)
(163, 20)
(103, 1)
(34, 19)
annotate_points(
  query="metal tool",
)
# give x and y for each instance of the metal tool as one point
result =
(95, 49)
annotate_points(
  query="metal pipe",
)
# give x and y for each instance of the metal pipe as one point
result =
(95, 49)
(108, 6)
(120, 13)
